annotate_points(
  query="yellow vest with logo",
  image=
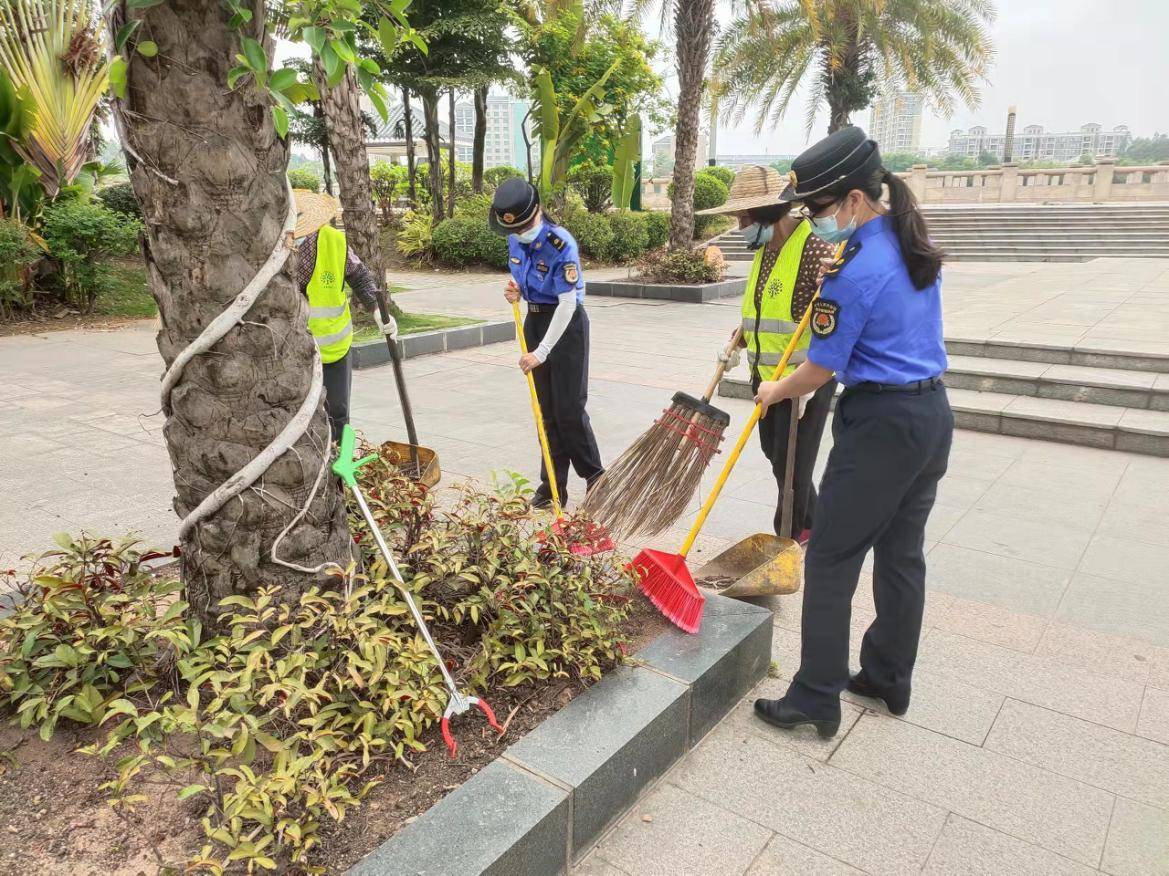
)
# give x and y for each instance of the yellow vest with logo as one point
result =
(328, 301)
(768, 331)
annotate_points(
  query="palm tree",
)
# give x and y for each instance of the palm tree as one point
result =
(844, 49)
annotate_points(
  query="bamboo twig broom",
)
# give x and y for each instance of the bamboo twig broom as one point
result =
(652, 483)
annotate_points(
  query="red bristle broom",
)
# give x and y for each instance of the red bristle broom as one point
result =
(663, 577)
(584, 538)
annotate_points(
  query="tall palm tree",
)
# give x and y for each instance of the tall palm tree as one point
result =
(845, 49)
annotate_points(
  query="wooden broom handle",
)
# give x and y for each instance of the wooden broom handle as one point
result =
(751, 421)
(722, 366)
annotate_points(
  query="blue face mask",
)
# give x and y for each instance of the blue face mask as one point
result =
(827, 230)
(758, 235)
(531, 234)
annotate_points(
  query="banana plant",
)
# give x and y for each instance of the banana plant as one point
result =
(560, 137)
(20, 190)
(625, 159)
(53, 52)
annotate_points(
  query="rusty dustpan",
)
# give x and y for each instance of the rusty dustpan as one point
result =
(762, 564)
(417, 462)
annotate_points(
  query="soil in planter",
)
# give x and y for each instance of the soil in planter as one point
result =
(54, 820)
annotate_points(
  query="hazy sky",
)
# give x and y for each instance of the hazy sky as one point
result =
(1061, 62)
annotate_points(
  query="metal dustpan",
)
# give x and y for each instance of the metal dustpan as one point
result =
(425, 470)
(760, 565)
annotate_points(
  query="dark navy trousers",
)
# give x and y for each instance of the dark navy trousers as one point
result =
(890, 450)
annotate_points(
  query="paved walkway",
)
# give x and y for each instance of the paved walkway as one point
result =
(1038, 737)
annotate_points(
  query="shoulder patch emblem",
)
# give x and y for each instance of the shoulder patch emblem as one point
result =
(556, 240)
(571, 274)
(515, 260)
(824, 314)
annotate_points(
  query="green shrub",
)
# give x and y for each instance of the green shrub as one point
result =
(271, 721)
(467, 239)
(680, 266)
(630, 236)
(493, 176)
(304, 178)
(414, 237)
(453, 241)
(594, 183)
(18, 255)
(120, 198)
(657, 226)
(592, 232)
(709, 191)
(724, 174)
(80, 236)
(387, 181)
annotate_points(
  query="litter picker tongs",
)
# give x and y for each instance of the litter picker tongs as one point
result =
(346, 468)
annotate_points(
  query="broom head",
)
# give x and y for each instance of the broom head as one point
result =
(667, 582)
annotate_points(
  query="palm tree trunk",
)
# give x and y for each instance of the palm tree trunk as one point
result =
(344, 125)
(450, 208)
(326, 163)
(693, 26)
(209, 228)
(480, 139)
(411, 164)
(433, 152)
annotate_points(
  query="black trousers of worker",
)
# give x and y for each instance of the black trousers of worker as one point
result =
(338, 379)
(562, 385)
(773, 432)
(890, 450)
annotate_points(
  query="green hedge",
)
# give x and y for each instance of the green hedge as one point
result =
(593, 232)
(467, 239)
(657, 226)
(724, 174)
(304, 178)
(120, 198)
(630, 236)
(81, 236)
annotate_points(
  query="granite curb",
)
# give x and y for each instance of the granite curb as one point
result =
(370, 354)
(689, 294)
(549, 797)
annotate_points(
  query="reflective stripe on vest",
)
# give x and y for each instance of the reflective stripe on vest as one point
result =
(772, 325)
(328, 300)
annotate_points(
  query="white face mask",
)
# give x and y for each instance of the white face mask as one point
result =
(531, 234)
(758, 235)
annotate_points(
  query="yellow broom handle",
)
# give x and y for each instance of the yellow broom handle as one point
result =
(750, 427)
(519, 332)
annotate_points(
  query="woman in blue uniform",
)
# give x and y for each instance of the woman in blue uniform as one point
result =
(545, 272)
(878, 328)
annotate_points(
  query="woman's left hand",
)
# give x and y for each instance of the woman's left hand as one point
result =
(769, 393)
(528, 362)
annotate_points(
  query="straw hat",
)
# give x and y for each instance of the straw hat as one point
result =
(313, 209)
(752, 187)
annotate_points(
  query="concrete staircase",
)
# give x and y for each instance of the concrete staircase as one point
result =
(1096, 398)
(1033, 233)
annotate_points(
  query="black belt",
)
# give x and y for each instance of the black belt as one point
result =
(543, 308)
(918, 386)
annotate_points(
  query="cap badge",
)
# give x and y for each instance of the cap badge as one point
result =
(509, 217)
(791, 175)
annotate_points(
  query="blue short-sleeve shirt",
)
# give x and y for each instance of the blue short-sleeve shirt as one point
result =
(870, 323)
(547, 267)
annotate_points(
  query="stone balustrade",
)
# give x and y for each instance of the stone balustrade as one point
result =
(1091, 184)
(1009, 183)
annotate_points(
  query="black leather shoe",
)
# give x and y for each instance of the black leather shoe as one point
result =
(782, 715)
(897, 702)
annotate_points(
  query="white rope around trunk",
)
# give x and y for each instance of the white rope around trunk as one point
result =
(294, 429)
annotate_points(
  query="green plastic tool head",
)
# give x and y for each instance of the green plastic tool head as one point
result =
(346, 466)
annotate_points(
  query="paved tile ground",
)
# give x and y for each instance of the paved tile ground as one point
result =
(1038, 737)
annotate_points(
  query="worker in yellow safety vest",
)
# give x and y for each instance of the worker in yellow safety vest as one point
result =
(326, 270)
(780, 286)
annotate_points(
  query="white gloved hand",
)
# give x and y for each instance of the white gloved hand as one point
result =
(733, 359)
(804, 399)
(389, 328)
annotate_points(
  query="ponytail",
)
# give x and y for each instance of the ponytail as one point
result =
(922, 259)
